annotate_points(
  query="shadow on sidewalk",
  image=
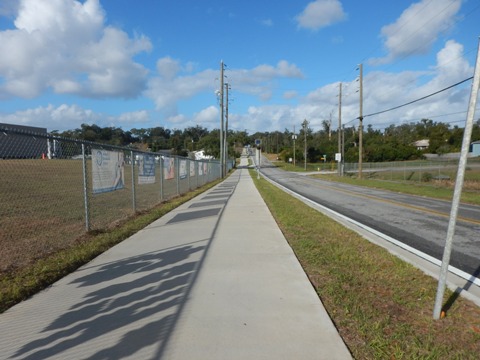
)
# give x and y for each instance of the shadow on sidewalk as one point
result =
(129, 305)
(151, 289)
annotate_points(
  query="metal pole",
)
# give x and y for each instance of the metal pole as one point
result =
(340, 129)
(161, 178)
(134, 204)
(458, 190)
(360, 128)
(177, 175)
(225, 140)
(305, 124)
(85, 189)
(221, 120)
(188, 173)
(343, 151)
(294, 138)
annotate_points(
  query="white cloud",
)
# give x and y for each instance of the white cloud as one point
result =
(64, 45)
(177, 119)
(63, 117)
(210, 115)
(168, 68)
(417, 28)
(141, 116)
(382, 91)
(321, 13)
(166, 90)
(69, 117)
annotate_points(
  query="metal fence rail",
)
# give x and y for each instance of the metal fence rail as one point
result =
(53, 190)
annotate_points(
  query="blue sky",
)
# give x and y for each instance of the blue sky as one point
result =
(147, 63)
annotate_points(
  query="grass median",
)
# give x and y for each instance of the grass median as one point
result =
(381, 306)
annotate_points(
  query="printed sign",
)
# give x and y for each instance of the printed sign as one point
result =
(169, 168)
(192, 168)
(108, 170)
(146, 169)
(183, 169)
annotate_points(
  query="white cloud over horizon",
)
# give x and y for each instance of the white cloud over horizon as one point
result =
(382, 90)
(169, 86)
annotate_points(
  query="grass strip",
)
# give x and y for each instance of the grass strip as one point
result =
(381, 306)
(418, 189)
(18, 285)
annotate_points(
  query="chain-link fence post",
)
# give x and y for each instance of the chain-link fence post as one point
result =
(188, 174)
(177, 174)
(161, 178)
(85, 189)
(134, 205)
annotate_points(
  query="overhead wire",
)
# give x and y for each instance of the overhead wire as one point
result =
(419, 99)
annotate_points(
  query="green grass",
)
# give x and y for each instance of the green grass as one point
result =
(437, 190)
(42, 207)
(21, 282)
(381, 305)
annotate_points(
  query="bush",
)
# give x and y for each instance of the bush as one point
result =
(426, 177)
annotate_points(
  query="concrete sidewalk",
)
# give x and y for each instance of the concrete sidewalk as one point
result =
(213, 279)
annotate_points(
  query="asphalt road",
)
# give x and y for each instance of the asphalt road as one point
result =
(419, 222)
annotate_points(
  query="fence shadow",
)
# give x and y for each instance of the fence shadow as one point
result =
(142, 294)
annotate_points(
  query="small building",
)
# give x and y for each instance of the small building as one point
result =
(200, 155)
(20, 142)
(475, 148)
(422, 144)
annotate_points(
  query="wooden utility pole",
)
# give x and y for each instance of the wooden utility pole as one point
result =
(294, 137)
(339, 132)
(305, 125)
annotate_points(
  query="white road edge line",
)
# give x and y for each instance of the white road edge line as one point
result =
(422, 255)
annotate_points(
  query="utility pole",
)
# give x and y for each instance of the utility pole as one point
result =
(360, 127)
(339, 133)
(343, 149)
(222, 156)
(294, 137)
(305, 125)
(225, 151)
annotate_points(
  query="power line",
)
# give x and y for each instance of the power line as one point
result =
(422, 98)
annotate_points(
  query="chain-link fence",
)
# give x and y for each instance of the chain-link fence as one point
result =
(53, 190)
(415, 171)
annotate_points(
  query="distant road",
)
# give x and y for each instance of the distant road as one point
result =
(413, 220)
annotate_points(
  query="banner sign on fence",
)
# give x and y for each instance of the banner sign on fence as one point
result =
(169, 167)
(192, 168)
(108, 173)
(183, 169)
(146, 169)
(200, 169)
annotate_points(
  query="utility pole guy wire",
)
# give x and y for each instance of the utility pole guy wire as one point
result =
(458, 190)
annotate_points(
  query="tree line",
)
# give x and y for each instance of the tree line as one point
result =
(395, 143)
